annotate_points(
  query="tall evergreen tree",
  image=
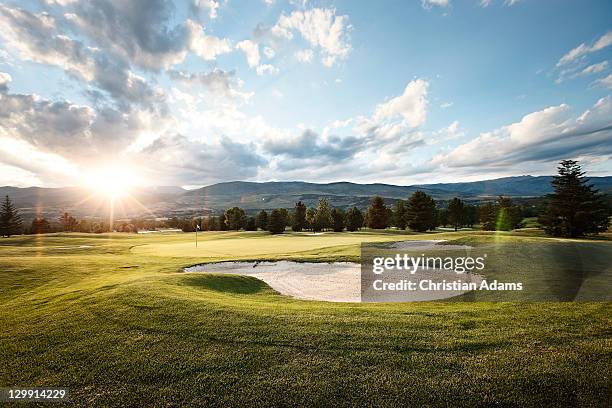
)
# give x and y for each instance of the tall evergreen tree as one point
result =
(456, 213)
(421, 212)
(470, 215)
(377, 216)
(299, 217)
(508, 215)
(311, 220)
(442, 217)
(235, 218)
(575, 208)
(338, 217)
(354, 219)
(323, 218)
(276, 222)
(10, 219)
(399, 214)
(487, 215)
(40, 226)
(262, 220)
(250, 224)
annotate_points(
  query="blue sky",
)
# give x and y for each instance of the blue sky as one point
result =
(200, 91)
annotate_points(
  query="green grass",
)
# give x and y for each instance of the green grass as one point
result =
(118, 324)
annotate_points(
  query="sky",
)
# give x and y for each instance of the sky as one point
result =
(195, 92)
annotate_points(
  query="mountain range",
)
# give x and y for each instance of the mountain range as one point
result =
(176, 201)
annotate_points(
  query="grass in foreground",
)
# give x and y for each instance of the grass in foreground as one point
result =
(112, 318)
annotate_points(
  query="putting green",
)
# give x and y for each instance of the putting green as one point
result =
(245, 245)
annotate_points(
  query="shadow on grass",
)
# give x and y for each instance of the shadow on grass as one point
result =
(243, 285)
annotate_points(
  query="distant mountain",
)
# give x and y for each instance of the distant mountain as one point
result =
(175, 201)
(512, 186)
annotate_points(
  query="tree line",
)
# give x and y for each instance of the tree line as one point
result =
(575, 209)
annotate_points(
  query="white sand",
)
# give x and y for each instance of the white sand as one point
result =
(338, 281)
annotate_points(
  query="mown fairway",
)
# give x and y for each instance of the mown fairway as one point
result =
(113, 318)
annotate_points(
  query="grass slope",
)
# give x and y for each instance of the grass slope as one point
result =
(111, 317)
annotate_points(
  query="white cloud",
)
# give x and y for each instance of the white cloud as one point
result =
(264, 69)
(544, 136)
(584, 49)
(321, 28)
(5, 78)
(210, 6)
(269, 52)
(427, 4)
(606, 82)
(304, 55)
(206, 46)
(595, 68)
(445, 105)
(251, 52)
(411, 105)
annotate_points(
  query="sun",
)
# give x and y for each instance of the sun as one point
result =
(113, 181)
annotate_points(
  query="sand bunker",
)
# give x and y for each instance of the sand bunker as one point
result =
(338, 281)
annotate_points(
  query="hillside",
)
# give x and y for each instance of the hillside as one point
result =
(170, 201)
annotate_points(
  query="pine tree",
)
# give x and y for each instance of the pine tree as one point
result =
(299, 217)
(354, 219)
(575, 208)
(323, 218)
(456, 213)
(377, 216)
(262, 220)
(399, 215)
(276, 222)
(311, 219)
(470, 215)
(338, 217)
(487, 215)
(508, 215)
(235, 218)
(10, 220)
(250, 224)
(421, 212)
(40, 226)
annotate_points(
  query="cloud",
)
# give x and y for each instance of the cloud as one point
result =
(210, 7)
(269, 52)
(446, 105)
(264, 69)
(411, 105)
(304, 55)
(544, 136)
(75, 131)
(584, 49)
(595, 68)
(182, 160)
(321, 28)
(390, 132)
(36, 37)
(207, 47)
(427, 4)
(142, 32)
(605, 82)
(251, 52)
(4, 81)
(309, 144)
(217, 81)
